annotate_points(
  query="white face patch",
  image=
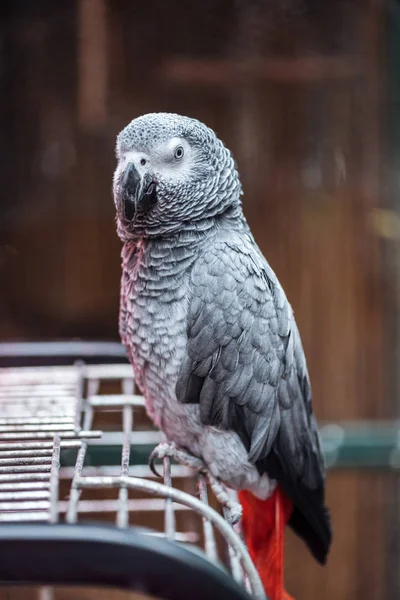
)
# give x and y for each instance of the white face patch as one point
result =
(172, 159)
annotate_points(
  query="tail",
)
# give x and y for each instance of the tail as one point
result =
(264, 523)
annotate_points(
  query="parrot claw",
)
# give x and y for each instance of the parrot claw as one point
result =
(170, 450)
(152, 459)
(232, 509)
(159, 452)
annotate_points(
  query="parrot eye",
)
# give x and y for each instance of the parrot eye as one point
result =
(179, 152)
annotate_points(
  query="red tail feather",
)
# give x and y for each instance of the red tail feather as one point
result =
(264, 523)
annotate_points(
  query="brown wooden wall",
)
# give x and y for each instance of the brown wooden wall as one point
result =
(296, 89)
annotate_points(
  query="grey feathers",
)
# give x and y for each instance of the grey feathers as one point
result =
(207, 326)
(244, 353)
(206, 171)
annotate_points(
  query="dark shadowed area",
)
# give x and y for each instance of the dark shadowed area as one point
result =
(307, 96)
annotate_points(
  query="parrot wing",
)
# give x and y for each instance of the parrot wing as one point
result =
(246, 368)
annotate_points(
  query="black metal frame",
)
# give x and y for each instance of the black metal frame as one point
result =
(129, 559)
(28, 354)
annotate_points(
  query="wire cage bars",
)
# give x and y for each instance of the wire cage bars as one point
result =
(49, 440)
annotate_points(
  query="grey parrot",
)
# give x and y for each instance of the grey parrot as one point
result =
(210, 333)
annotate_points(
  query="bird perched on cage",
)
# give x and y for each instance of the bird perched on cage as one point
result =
(212, 337)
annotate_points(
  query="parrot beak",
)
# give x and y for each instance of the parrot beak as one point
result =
(138, 192)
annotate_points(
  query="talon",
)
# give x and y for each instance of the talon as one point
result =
(234, 514)
(152, 459)
(161, 451)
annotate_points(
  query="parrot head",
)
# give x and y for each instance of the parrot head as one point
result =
(172, 171)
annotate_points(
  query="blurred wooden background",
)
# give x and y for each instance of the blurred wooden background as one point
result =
(299, 90)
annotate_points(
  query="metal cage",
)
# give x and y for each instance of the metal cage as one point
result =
(59, 471)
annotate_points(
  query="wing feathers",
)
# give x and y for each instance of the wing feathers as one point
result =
(245, 366)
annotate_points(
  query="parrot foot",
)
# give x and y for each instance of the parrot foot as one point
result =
(232, 509)
(170, 450)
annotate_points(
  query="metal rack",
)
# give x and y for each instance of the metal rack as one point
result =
(74, 445)
(48, 417)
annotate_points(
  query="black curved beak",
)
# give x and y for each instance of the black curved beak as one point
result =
(138, 192)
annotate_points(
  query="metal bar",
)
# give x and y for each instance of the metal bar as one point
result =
(15, 386)
(209, 539)
(41, 372)
(24, 454)
(72, 513)
(170, 525)
(159, 489)
(116, 400)
(36, 427)
(35, 420)
(177, 471)
(64, 349)
(37, 390)
(44, 402)
(27, 372)
(21, 495)
(111, 506)
(47, 405)
(29, 446)
(122, 519)
(26, 469)
(93, 382)
(24, 399)
(26, 460)
(36, 378)
(36, 385)
(24, 485)
(54, 475)
(189, 485)
(46, 435)
(74, 443)
(37, 410)
(80, 384)
(25, 477)
(60, 375)
(119, 371)
(24, 505)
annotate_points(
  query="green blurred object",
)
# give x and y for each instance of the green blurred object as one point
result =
(347, 445)
(362, 445)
